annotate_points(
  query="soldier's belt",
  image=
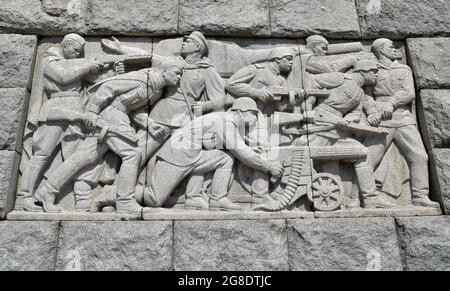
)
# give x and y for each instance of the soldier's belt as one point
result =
(65, 94)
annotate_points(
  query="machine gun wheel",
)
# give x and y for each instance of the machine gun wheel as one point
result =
(327, 193)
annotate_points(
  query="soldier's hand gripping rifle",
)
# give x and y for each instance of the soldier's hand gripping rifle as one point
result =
(94, 122)
(296, 96)
(126, 60)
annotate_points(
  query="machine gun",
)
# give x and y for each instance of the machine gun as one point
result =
(281, 92)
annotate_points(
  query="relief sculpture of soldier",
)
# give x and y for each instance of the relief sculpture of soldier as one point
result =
(394, 94)
(208, 144)
(201, 87)
(333, 116)
(254, 81)
(109, 108)
(63, 72)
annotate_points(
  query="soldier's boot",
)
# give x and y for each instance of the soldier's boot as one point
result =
(353, 203)
(29, 204)
(219, 192)
(422, 200)
(196, 203)
(47, 196)
(195, 198)
(106, 197)
(82, 192)
(127, 204)
(368, 189)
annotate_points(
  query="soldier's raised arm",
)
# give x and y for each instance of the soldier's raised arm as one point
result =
(115, 46)
(65, 75)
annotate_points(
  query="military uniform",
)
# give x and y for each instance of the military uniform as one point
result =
(345, 101)
(62, 83)
(114, 101)
(395, 86)
(207, 144)
(246, 83)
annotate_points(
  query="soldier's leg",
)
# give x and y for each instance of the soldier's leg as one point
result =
(162, 182)
(221, 163)
(149, 146)
(88, 153)
(410, 143)
(365, 177)
(45, 141)
(128, 174)
(194, 194)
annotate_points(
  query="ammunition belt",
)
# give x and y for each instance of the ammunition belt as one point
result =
(298, 161)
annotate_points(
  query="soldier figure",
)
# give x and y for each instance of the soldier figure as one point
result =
(254, 81)
(208, 144)
(394, 93)
(63, 72)
(344, 107)
(109, 109)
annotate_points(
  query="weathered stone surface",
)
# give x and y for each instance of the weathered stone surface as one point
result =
(230, 245)
(16, 60)
(440, 169)
(115, 246)
(425, 243)
(12, 118)
(9, 161)
(430, 61)
(299, 18)
(28, 246)
(434, 116)
(402, 18)
(343, 244)
(140, 17)
(225, 17)
(42, 16)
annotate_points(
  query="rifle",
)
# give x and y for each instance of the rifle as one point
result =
(110, 60)
(103, 126)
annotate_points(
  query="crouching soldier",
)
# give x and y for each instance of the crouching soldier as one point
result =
(208, 144)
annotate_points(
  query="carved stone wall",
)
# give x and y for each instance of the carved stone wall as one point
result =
(288, 232)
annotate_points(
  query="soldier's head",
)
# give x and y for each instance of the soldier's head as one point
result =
(317, 44)
(72, 46)
(246, 110)
(172, 70)
(368, 70)
(384, 48)
(195, 43)
(284, 57)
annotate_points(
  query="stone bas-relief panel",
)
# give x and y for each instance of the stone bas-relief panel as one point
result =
(136, 128)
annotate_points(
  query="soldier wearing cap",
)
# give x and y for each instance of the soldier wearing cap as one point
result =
(394, 94)
(116, 103)
(209, 144)
(317, 64)
(63, 73)
(345, 106)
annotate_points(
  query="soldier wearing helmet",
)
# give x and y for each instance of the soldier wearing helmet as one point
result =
(345, 106)
(207, 145)
(254, 81)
